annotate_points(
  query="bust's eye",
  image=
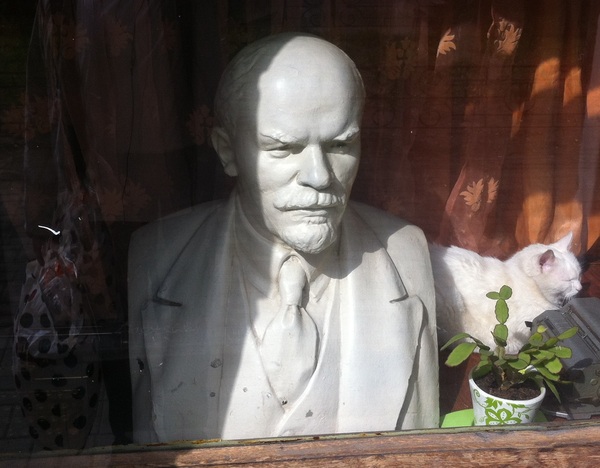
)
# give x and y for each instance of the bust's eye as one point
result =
(338, 145)
(280, 151)
(283, 150)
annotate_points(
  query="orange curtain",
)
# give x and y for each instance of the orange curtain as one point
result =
(481, 124)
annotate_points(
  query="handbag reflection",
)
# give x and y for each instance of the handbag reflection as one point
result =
(56, 361)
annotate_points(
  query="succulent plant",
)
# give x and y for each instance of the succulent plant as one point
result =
(539, 359)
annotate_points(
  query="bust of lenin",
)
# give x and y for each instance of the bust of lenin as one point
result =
(286, 309)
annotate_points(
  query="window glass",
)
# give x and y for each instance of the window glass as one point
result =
(479, 126)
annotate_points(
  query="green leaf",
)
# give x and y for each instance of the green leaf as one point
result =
(549, 343)
(548, 375)
(518, 364)
(460, 354)
(538, 379)
(481, 345)
(562, 352)
(552, 388)
(554, 366)
(505, 292)
(500, 334)
(541, 329)
(501, 311)
(525, 357)
(454, 339)
(568, 334)
(500, 343)
(483, 368)
(542, 355)
(536, 340)
(493, 295)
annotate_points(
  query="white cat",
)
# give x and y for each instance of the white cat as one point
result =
(542, 277)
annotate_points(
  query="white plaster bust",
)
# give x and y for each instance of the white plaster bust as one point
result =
(285, 310)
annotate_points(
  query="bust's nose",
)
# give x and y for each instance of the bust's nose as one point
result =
(314, 171)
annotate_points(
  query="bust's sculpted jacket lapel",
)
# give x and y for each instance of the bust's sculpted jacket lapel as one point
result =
(378, 343)
(168, 334)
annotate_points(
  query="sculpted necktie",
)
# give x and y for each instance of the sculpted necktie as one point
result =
(291, 340)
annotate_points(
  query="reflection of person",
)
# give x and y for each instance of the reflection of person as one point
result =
(284, 310)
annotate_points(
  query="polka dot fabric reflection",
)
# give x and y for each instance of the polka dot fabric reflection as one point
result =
(56, 370)
(59, 397)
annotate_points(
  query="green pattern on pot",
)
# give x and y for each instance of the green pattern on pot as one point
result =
(489, 410)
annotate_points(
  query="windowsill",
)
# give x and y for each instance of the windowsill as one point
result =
(553, 443)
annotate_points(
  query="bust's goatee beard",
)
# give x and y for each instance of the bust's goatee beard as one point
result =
(310, 238)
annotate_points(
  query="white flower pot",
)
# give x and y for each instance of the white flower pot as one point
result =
(489, 410)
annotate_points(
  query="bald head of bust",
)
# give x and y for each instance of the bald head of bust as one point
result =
(238, 86)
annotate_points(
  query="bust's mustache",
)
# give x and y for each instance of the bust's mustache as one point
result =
(309, 201)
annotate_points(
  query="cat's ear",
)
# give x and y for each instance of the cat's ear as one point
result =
(223, 146)
(547, 260)
(564, 243)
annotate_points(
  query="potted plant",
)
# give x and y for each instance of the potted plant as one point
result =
(509, 388)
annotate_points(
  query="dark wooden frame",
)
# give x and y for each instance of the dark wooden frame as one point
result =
(557, 444)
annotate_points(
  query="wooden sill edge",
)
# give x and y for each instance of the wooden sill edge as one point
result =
(566, 441)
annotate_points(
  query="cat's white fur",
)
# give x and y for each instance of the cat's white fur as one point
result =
(542, 277)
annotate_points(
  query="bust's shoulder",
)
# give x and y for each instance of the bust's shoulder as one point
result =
(155, 246)
(179, 225)
(388, 227)
(406, 246)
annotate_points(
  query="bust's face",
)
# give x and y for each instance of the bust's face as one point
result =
(297, 151)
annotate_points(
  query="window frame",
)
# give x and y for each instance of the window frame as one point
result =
(557, 443)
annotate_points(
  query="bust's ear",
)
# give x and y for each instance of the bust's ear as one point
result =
(222, 145)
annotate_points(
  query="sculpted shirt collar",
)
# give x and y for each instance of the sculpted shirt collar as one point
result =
(261, 259)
